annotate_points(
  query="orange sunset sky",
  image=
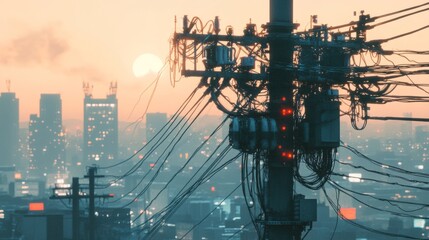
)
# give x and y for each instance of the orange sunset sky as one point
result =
(51, 46)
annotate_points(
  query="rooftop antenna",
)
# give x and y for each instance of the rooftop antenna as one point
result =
(87, 89)
(113, 88)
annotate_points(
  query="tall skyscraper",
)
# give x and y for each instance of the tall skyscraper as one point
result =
(154, 123)
(100, 138)
(9, 129)
(47, 140)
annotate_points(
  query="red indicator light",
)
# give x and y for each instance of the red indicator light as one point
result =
(152, 165)
(287, 155)
(283, 99)
(286, 111)
(213, 189)
(279, 147)
(283, 128)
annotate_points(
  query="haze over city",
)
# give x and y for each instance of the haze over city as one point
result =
(214, 120)
(52, 47)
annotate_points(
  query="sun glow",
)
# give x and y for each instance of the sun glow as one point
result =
(145, 64)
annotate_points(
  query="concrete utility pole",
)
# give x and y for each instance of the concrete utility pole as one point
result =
(267, 129)
(75, 196)
(75, 208)
(91, 211)
(279, 189)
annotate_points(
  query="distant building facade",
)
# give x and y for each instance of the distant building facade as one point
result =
(9, 129)
(46, 137)
(100, 138)
(154, 123)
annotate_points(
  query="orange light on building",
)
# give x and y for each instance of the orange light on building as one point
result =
(348, 213)
(18, 176)
(36, 206)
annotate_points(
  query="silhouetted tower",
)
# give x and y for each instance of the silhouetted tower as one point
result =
(47, 138)
(9, 129)
(100, 126)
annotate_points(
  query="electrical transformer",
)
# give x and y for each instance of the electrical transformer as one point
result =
(247, 63)
(249, 134)
(308, 66)
(335, 63)
(217, 56)
(321, 127)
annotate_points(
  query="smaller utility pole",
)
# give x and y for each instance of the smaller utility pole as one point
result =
(91, 209)
(75, 208)
(75, 196)
(91, 176)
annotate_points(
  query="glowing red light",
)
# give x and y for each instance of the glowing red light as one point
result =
(283, 128)
(287, 155)
(283, 99)
(151, 165)
(286, 111)
(213, 189)
(279, 146)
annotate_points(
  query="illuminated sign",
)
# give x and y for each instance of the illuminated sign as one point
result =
(348, 213)
(36, 206)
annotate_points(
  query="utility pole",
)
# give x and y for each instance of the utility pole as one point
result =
(91, 217)
(75, 208)
(75, 196)
(91, 209)
(279, 222)
(269, 131)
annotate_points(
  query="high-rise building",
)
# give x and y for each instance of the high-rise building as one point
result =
(154, 123)
(100, 138)
(46, 139)
(9, 129)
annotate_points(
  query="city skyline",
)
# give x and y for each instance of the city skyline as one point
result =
(277, 137)
(54, 49)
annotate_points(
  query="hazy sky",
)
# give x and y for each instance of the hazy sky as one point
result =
(49, 46)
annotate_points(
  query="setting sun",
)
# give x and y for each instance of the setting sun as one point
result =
(145, 64)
